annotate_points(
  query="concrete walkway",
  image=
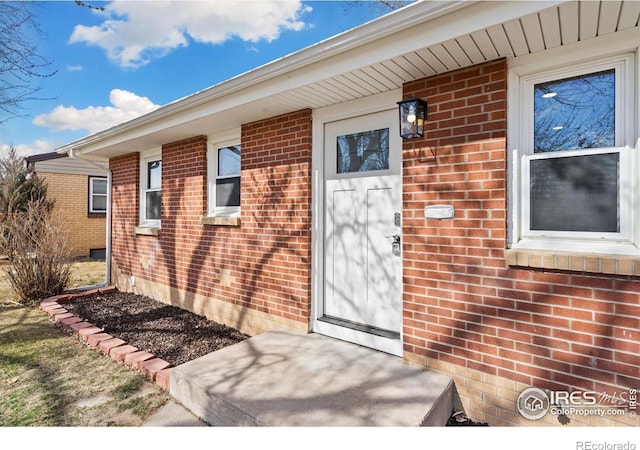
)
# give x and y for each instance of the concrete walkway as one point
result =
(174, 415)
(282, 378)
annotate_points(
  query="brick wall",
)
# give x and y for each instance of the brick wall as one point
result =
(124, 209)
(257, 272)
(71, 193)
(497, 329)
(276, 215)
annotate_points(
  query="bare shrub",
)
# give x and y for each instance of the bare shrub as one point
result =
(37, 245)
(19, 185)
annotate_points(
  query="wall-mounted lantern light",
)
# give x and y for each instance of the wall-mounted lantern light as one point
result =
(413, 113)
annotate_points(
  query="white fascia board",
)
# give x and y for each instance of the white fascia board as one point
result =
(416, 26)
(317, 52)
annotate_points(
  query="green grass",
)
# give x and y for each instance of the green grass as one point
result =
(49, 378)
(126, 389)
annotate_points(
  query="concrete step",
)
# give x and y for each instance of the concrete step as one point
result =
(282, 378)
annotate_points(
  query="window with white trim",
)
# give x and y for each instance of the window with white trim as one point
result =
(224, 163)
(150, 190)
(574, 174)
(97, 195)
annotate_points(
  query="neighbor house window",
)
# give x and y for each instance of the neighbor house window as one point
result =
(150, 190)
(224, 162)
(97, 195)
(575, 172)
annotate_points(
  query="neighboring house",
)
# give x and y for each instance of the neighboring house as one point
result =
(79, 189)
(501, 249)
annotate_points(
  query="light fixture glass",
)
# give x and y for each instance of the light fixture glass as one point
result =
(412, 116)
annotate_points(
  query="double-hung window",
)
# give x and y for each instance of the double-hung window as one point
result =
(574, 173)
(224, 179)
(97, 195)
(150, 190)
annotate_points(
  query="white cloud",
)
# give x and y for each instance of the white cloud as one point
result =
(134, 32)
(37, 147)
(126, 106)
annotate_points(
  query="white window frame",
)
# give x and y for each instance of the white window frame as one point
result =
(217, 142)
(92, 194)
(145, 159)
(522, 79)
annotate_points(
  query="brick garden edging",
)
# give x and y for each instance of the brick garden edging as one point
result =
(155, 369)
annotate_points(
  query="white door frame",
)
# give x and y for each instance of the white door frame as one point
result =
(376, 103)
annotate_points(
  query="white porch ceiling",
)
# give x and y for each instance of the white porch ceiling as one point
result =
(311, 85)
(547, 29)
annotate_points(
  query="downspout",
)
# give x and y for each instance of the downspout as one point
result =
(107, 255)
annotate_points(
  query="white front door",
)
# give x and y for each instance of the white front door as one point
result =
(362, 237)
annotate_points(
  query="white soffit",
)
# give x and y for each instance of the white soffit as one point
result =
(369, 60)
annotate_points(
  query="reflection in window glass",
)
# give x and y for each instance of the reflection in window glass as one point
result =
(229, 160)
(575, 113)
(579, 193)
(363, 152)
(227, 188)
(154, 174)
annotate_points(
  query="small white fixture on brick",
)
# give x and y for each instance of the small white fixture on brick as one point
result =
(439, 212)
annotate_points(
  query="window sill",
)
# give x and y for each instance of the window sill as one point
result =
(146, 231)
(220, 221)
(573, 261)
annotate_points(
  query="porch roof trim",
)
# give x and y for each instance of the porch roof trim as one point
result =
(419, 40)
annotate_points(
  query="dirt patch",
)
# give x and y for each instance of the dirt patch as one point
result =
(170, 333)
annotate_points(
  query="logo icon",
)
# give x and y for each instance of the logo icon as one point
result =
(533, 403)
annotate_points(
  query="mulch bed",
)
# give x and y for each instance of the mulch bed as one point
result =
(168, 332)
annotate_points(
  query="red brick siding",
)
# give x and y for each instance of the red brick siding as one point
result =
(267, 259)
(124, 210)
(462, 304)
(276, 214)
(182, 252)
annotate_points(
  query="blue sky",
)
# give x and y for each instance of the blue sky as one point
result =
(116, 64)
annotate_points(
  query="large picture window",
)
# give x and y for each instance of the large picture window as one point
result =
(574, 184)
(578, 191)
